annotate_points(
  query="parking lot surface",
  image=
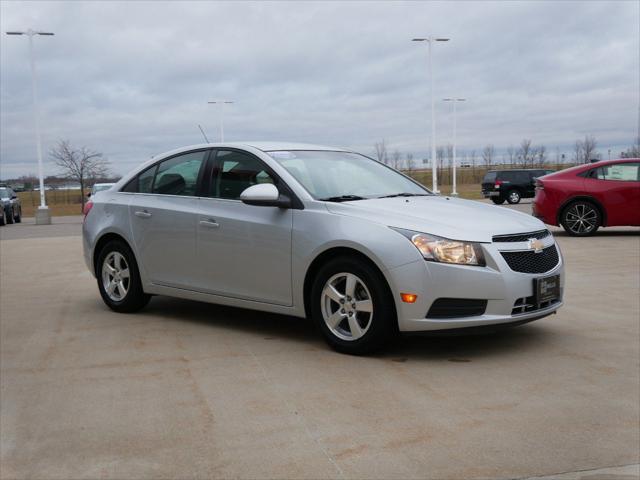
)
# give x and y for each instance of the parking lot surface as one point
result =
(191, 390)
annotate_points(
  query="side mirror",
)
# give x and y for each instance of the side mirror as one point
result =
(265, 195)
(89, 195)
(13, 197)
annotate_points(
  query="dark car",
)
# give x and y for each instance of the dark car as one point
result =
(586, 197)
(511, 185)
(10, 203)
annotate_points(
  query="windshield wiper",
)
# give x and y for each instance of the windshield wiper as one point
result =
(405, 194)
(343, 198)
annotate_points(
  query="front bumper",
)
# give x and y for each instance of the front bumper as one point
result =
(496, 283)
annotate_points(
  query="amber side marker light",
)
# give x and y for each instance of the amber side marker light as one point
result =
(409, 297)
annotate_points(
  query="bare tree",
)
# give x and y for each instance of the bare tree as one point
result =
(526, 153)
(577, 151)
(472, 160)
(396, 156)
(440, 154)
(410, 163)
(487, 155)
(511, 153)
(541, 155)
(381, 152)
(79, 164)
(589, 145)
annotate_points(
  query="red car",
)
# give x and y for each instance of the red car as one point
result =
(586, 197)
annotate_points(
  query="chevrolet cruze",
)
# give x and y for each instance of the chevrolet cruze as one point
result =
(317, 232)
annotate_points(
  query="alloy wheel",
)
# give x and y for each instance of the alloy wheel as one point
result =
(514, 197)
(116, 277)
(347, 306)
(581, 218)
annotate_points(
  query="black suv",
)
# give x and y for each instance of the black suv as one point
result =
(511, 185)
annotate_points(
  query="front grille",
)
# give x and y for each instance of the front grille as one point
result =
(531, 262)
(456, 307)
(522, 237)
(526, 305)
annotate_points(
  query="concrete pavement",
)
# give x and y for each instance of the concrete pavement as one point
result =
(191, 390)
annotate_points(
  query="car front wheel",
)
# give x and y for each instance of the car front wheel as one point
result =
(18, 218)
(118, 278)
(581, 219)
(352, 306)
(513, 197)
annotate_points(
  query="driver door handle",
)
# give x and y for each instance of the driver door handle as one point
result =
(142, 214)
(211, 223)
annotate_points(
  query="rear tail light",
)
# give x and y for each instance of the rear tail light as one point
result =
(87, 208)
(539, 185)
(498, 183)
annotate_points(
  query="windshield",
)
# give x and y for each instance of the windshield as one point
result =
(343, 175)
(4, 193)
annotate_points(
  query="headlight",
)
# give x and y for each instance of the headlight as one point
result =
(438, 249)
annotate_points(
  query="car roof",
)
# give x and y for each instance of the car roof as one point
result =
(264, 146)
(519, 170)
(608, 162)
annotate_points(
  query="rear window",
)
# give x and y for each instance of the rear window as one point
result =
(489, 177)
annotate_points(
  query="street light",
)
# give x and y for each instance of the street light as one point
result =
(430, 40)
(222, 104)
(454, 101)
(43, 216)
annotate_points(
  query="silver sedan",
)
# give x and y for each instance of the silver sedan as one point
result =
(318, 232)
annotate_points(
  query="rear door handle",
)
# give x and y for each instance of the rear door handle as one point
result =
(143, 214)
(211, 223)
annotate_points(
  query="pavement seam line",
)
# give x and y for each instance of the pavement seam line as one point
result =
(291, 408)
(573, 471)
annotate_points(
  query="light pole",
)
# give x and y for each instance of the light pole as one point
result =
(43, 216)
(222, 104)
(455, 163)
(430, 40)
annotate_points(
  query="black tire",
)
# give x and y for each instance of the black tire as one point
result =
(8, 215)
(18, 218)
(381, 324)
(2, 221)
(513, 196)
(497, 200)
(581, 218)
(134, 299)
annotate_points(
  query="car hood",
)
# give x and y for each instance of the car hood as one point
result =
(447, 217)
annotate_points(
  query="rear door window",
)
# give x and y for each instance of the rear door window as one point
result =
(179, 175)
(145, 180)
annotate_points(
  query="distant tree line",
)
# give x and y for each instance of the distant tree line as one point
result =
(526, 155)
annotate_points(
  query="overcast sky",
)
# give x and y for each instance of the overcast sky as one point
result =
(132, 79)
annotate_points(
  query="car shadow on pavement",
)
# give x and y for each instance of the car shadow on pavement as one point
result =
(271, 326)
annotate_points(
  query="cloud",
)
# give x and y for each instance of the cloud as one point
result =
(132, 79)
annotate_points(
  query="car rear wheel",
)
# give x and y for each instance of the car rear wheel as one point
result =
(497, 200)
(513, 196)
(352, 306)
(119, 279)
(581, 219)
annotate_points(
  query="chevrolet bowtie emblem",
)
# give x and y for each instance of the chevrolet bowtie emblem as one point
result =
(536, 245)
